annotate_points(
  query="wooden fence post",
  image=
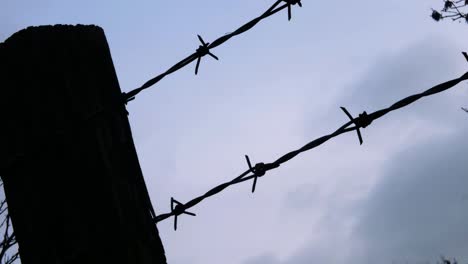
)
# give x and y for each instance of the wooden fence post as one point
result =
(72, 179)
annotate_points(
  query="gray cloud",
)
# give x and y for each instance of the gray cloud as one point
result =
(262, 259)
(419, 209)
(416, 209)
(415, 213)
(418, 67)
(395, 75)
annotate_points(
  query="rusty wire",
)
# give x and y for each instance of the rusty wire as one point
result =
(260, 169)
(205, 47)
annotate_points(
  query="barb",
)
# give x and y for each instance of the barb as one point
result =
(259, 170)
(178, 210)
(204, 49)
(362, 121)
(290, 4)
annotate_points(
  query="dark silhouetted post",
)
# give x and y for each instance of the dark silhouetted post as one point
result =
(73, 183)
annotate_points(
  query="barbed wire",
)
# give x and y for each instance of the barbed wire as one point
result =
(260, 169)
(205, 47)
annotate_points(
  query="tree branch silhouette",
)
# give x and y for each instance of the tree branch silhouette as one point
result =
(454, 9)
(8, 246)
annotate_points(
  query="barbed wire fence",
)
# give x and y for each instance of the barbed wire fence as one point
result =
(259, 169)
(8, 244)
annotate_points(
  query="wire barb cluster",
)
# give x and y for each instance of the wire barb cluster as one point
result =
(178, 210)
(362, 121)
(205, 48)
(202, 51)
(290, 4)
(260, 169)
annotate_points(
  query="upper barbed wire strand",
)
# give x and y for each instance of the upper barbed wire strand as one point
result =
(196, 55)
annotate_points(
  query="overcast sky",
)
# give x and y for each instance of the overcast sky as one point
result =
(401, 196)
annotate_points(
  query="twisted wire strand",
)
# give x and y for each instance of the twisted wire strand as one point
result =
(363, 120)
(195, 56)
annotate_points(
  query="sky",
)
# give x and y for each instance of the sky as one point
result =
(401, 197)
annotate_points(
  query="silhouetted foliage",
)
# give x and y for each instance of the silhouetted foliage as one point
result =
(456, 10)
(8, 246)
(445, 260)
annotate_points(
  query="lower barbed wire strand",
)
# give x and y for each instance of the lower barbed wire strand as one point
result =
(317, 142)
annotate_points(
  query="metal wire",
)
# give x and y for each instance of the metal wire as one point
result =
(260, 169)
(204, 48)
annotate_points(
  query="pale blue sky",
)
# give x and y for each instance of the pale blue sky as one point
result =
(275, 88)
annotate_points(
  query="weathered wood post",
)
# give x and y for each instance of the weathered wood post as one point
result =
(72, 180)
